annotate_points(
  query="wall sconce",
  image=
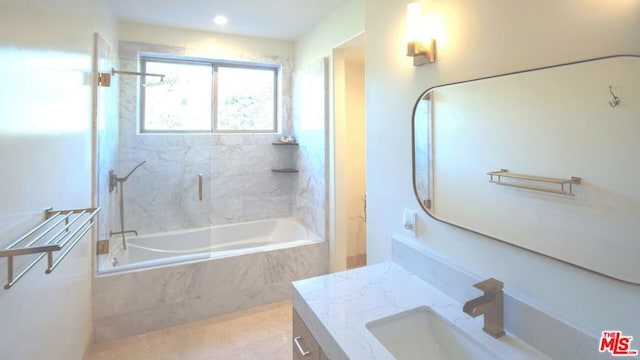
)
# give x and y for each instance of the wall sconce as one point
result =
(422, 50)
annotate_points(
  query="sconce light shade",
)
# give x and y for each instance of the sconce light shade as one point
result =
(422, 50)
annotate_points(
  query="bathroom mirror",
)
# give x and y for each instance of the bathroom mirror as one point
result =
(542, 159)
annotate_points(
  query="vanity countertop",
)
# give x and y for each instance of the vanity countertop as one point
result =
(336, 308)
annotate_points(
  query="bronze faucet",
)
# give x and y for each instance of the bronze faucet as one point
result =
(490, 304)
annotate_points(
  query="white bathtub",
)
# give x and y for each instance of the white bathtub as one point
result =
(172, 247)
(168, 279)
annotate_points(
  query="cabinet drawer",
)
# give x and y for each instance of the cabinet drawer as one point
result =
(305, 346)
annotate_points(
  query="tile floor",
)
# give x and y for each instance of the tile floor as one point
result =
(260, 333)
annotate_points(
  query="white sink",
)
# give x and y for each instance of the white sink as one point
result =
(421, 333)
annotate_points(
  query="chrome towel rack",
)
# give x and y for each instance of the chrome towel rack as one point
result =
(59, 232)
(496, 178)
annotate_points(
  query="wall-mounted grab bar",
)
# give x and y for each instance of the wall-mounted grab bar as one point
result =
(504, 173)
(48, 240)
(200, 187)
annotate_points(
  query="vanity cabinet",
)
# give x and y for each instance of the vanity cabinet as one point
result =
(305, 346)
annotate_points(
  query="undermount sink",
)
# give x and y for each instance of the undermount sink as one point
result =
(421, 333)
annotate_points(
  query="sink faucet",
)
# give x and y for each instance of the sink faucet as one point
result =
(490, 304)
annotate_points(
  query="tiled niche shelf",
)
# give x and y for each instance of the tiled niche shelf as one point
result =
(285, 170)
(286, 143)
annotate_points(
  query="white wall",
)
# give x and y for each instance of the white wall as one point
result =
(45, 157)
(476, 39)
(342, 24)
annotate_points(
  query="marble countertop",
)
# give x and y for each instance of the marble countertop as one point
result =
(336, 308)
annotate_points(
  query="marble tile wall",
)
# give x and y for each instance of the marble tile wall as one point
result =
(140, 301)
(310, 119)
(239, 185)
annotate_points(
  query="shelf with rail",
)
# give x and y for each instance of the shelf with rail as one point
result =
(58, 233)
(286, 143)
(285, 171)
(565, 185)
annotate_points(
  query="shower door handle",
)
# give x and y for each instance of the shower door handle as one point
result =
(200, 187)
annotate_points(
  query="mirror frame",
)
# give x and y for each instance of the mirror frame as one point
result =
(413, 162)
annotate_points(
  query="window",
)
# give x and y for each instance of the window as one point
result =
(200, 96)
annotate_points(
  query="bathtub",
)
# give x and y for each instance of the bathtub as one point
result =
(168, 279)
(205, 243)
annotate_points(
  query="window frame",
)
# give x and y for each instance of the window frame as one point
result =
(215, 64)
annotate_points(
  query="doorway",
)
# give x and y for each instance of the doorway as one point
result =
(349, 155)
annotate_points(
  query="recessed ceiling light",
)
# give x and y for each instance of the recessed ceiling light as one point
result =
(220, 20)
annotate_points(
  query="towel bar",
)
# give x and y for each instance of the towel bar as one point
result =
(47, 241)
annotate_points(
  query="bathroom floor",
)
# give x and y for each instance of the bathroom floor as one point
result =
(260, 333)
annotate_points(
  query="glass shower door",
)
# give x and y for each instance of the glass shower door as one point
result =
(166, 200)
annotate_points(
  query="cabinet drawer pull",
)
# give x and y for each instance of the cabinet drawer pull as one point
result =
(296, 340)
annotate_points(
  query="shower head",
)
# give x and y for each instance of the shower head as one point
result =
(104, 79)
(163, 81)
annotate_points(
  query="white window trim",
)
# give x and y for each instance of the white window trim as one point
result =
(143, 58)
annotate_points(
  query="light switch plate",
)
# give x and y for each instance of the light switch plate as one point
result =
(409, 221)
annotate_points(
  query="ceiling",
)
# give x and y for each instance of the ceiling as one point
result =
(276, 19)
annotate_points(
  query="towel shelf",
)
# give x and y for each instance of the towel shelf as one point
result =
(496, 178)
(285, 171)
(285, 143)
(60, 231)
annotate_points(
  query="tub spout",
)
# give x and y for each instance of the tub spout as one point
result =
(490, 304)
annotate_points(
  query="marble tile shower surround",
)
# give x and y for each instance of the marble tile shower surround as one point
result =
(310, 119)
(310, 197)
(105, 127)
(239, 185)
(135, 302)
(539, 328)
